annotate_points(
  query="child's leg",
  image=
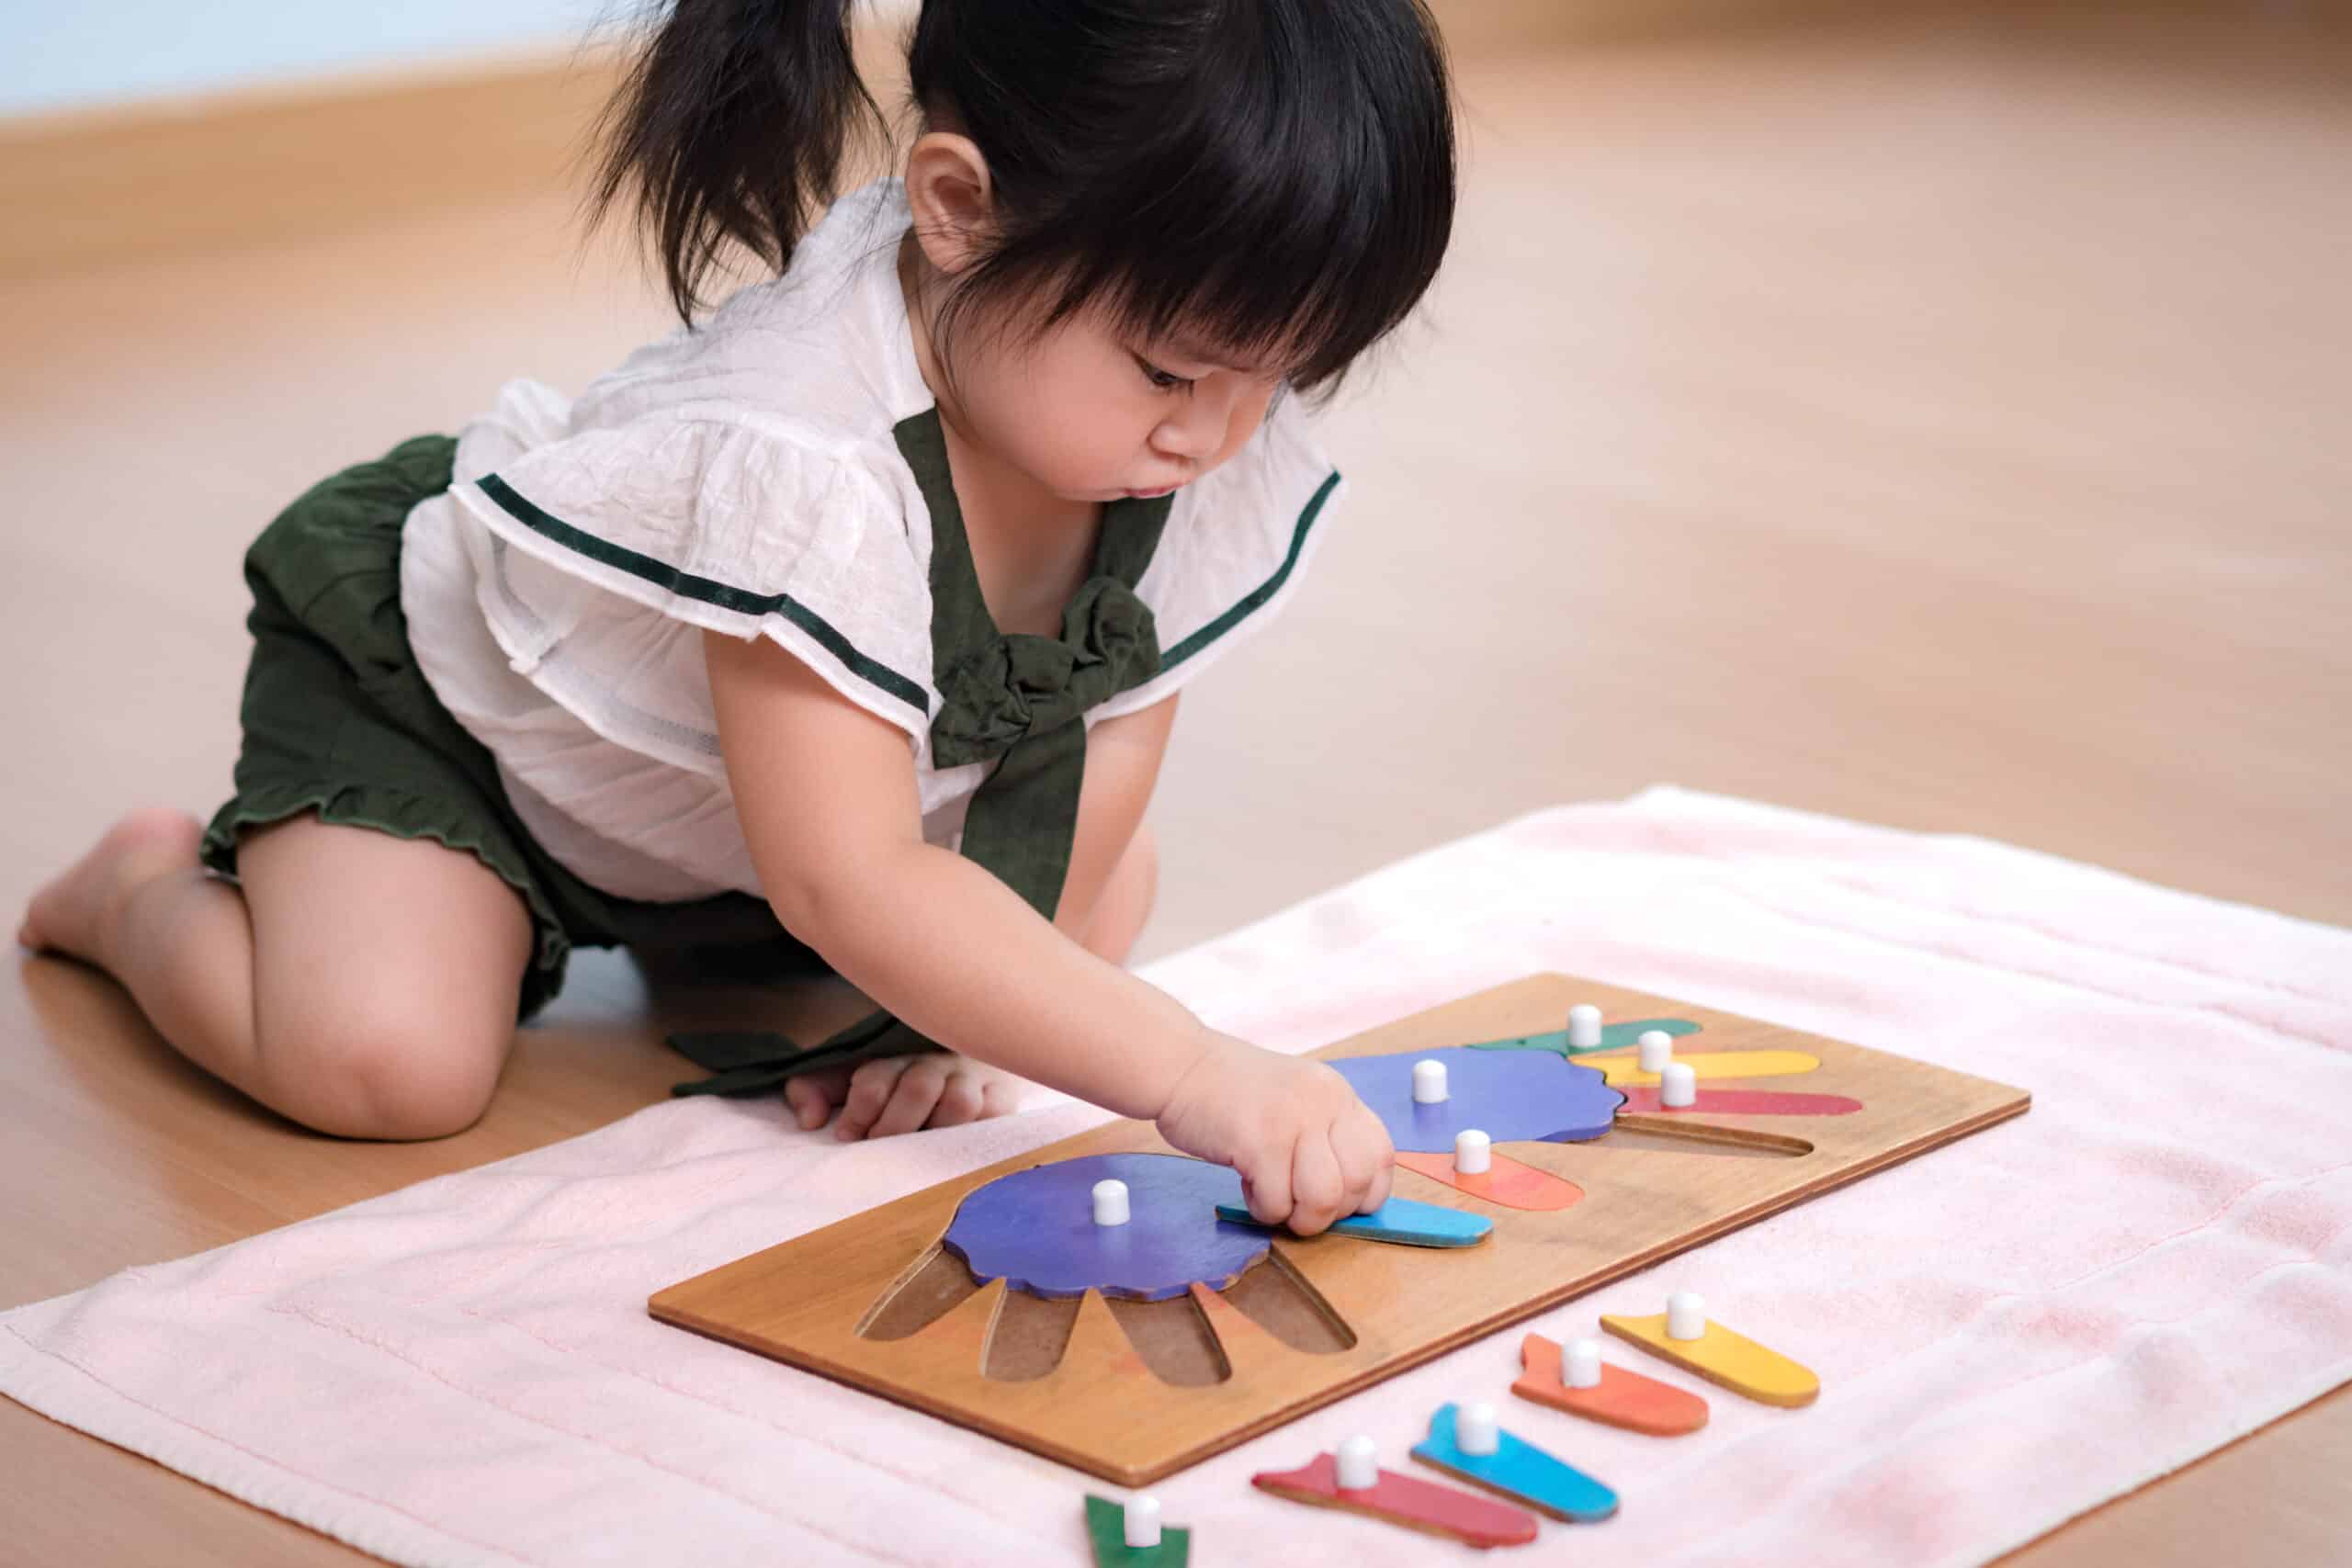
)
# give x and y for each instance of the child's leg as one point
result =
(360, 984)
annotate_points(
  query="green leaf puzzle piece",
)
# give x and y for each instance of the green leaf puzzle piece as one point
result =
(1106, 1527)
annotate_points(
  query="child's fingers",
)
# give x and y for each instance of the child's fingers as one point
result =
(961, 1101)
(1366, 1159)
(812, 1096)
(911, 1103)
(1316, 1188)
(869, 1092)
(1265, 1187)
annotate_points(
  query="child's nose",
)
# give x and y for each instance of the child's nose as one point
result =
(1197, 428)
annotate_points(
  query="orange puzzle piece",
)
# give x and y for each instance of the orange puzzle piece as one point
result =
(1510, 1183)
(1623, 1398)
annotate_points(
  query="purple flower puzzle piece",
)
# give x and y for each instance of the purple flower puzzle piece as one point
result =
(1035, 1229)
(1511, 1095)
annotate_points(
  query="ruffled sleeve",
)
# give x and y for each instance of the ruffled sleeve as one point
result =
(717, 524)
(1235, 549)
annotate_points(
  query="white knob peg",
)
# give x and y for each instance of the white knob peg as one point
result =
(1143, 1520)
(1584, 1027)
(1583, 1369)
(1478, 1430)
(1473, 1153)
(1359, 1465)
(1677, 1085)
(1429, 1083)
(1686, 1315)
(1657, 1048)
(1110, 1202)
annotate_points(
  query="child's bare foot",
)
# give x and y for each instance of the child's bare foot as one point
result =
(73, 913)
(899, 1094)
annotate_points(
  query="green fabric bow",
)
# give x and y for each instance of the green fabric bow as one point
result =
(1017, 686)
(1025, 698)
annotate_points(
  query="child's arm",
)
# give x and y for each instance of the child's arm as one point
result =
(828, 806)
(899, 1094)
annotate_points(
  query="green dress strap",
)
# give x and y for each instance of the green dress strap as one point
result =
(1017, 697)
(1024, 698)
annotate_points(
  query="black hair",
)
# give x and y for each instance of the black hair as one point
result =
(1276, 177)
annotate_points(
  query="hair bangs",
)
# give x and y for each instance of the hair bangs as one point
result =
(1281, 191)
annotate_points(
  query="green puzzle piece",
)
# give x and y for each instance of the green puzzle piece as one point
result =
(1614, 1037)
(1106, 1526)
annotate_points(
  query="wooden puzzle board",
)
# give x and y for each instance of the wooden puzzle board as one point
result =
(1132, 1392)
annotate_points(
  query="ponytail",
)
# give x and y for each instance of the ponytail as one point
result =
(731, 127)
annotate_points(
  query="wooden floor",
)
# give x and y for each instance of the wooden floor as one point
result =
(1935, 423)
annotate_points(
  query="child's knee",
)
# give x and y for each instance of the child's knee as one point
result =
(396, 1074)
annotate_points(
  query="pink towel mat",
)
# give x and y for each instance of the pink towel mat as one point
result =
(2008, 1331)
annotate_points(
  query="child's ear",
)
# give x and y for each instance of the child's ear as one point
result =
(955, 205)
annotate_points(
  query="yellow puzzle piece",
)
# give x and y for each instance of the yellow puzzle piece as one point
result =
(1621, 1071)
(1733, 1360)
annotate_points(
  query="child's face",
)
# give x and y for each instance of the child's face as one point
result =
(1091, 416)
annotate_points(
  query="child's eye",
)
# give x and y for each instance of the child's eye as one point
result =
(1160, 378)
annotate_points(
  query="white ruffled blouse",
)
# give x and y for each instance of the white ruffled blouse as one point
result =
(745, 477)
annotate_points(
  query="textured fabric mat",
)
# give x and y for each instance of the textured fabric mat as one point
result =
(2009, 1330)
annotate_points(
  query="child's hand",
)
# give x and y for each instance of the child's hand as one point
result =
(899, 1094)
(1308, 1151)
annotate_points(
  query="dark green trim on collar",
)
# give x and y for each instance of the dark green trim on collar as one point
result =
(686, 585)
(1258, 595)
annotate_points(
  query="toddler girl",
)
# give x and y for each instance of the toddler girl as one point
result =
(856, 611)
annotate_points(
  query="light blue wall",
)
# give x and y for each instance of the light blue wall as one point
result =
(70, 53)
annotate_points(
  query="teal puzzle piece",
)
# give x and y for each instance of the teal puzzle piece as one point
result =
(1518, 1469)
(1399, 1220)
(1614, 1037)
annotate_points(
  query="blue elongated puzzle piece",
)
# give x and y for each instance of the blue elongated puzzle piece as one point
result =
(1399, 1220)
(1519, 1470)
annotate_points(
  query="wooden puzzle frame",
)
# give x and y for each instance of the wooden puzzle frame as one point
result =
(1132, 1392)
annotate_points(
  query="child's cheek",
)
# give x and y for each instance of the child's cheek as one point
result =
(1065, 450)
